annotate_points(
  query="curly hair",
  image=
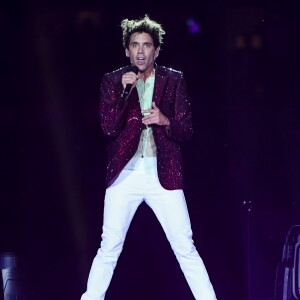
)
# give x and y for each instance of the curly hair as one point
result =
(144, 24)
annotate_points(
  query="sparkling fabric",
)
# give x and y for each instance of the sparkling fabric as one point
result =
(122, 122)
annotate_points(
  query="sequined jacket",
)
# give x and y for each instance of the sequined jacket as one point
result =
(122, 122)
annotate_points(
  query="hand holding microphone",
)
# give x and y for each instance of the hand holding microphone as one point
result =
(128, 80)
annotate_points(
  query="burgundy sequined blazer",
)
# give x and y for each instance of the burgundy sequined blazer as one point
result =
(121, 122)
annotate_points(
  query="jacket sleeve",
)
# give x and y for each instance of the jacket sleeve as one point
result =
(181, 128)
(113, 110)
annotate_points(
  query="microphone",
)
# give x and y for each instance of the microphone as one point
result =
(134, 69)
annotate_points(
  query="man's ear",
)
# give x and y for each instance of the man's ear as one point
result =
(157, 51)
(126, 52)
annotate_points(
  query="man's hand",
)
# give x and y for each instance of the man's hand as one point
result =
(155, 116)
(129, 78)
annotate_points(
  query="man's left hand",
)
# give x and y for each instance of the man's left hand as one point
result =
(155, 116)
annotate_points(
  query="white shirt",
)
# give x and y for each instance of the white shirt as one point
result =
(147, 148)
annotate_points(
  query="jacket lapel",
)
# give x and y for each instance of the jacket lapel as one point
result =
(158, 88)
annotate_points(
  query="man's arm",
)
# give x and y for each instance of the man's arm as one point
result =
(113, 110)
(179, 126)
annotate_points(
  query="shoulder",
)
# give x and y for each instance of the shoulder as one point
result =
(117, 73)
(167, 71)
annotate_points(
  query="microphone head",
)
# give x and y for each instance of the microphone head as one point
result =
(134, 69)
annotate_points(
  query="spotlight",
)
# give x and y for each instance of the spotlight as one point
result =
(193, 26)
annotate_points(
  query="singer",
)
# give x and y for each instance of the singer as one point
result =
(145, 127)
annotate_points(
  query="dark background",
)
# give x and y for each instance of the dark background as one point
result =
(242, 165)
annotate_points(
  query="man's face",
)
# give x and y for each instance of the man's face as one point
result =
(141, 51)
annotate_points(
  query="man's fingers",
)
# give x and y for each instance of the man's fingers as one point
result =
(154, 106)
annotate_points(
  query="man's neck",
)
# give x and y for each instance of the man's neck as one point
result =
(147, 73)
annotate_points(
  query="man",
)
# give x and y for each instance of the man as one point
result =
(145, 112)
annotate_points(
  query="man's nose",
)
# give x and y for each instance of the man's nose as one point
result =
(140, 49)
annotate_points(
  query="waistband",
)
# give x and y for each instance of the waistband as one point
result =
(142, 165)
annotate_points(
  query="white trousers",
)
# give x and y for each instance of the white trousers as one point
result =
(121, 202)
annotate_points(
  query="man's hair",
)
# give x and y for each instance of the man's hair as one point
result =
(144, 24)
